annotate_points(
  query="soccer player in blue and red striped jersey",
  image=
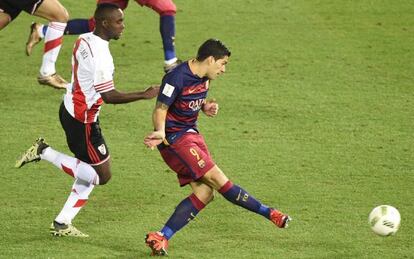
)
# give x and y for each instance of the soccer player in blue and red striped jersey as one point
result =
(182, 95)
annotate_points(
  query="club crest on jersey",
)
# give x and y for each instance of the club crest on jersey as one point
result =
(102, 149)
(197, 104)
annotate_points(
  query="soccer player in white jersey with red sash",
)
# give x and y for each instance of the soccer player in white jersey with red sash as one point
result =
(92, 85)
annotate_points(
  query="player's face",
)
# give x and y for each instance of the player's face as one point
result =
(217, 67)
(116, 24)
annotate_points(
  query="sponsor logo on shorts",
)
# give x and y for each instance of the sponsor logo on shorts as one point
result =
(201, 163)
(102, 149)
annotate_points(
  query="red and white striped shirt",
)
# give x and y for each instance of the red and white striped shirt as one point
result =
(92, 74)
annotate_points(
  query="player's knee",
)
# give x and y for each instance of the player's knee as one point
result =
(104, 173)
(61, 16)
(64, 16)
(5, 19)
(163, 8)
(215, 178)
(209, 197)
(205, 196)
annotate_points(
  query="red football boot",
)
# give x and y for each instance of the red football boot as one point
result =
(157, 242)
(279, 219)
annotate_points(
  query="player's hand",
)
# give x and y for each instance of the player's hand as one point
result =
(151, 91)
(154, 139)
(210, 108)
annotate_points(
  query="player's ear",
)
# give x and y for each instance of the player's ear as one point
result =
(211, 60)
(105, 24)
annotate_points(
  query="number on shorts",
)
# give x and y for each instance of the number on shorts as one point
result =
(195, 153)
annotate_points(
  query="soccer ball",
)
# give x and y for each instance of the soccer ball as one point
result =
(384, 220)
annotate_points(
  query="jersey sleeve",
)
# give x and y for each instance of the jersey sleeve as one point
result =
(103, 76)
(169, 90)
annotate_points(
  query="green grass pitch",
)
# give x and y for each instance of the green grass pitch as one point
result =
(316, 118)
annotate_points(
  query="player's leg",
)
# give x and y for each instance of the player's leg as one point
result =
(167, 10)
(73, 27)
(90, 167)
(87, 143)
(185, 211)
(85, 180)
(62, 225)
(73, 167)
(5, 19)
(80, 26)
(57, 15)
(190, 163)
(104, 172)
(188, 208)
(238, 196)
(9, 11)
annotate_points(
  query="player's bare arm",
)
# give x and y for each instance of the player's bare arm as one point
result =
(210, 108)
(158, 118)
(116, 97)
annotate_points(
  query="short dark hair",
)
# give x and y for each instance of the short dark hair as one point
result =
(104, 10)
(212, 47)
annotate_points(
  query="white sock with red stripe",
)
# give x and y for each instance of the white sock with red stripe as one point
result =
(53, 42)
(70, 165)
(76, 200)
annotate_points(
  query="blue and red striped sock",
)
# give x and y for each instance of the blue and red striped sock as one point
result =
(237, 195)
(184, 212)
(76, 27)
(167, 30)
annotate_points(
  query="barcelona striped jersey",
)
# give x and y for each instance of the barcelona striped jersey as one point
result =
(184, 93)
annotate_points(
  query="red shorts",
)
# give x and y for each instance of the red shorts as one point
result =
(122, 3)
(188, 157)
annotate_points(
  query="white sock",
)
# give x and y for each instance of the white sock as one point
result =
(170, 61)
(76, 200)
(70, 165)
(53, 42)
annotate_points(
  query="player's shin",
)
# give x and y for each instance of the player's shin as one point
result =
(183, 214)
(53, 42)
(237, 195)
(76, 200)
(167, 30)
